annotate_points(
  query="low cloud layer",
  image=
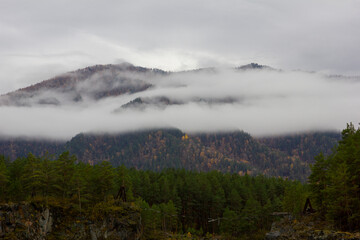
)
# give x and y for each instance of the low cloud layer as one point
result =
(261, 102)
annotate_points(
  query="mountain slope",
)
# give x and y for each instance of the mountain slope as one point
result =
(120, 98)
(97, 82)
(234, 152)
(91, 83)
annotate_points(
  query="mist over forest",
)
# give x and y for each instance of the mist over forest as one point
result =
(122, 98)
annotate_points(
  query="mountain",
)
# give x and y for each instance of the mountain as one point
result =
(94, 83)
(125, 88)
(253, 66)
(91, 83)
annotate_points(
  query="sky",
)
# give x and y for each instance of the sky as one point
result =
(43, 38)
(40, 39)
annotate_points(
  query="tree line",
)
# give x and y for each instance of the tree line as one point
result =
(177, 201)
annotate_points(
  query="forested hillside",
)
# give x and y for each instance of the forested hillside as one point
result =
(304, 146)
(21, 147)
(234, 152)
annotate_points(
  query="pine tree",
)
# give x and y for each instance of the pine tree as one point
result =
(104, 180)
(338, 197)
(47, 171)
(230, 224)
(251, 215)
(294, 198)
(16, 170)
(4, 178)
(318, 181)
(235, 201)
(64, 170)
(171, 216)
(123, 179)
(32, 176)
(81, 181)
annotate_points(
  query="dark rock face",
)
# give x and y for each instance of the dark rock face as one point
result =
(35, 222)
(288, 228)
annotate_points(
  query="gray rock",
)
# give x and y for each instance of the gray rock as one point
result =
(33, 221)
(272, 235)
(45, 222)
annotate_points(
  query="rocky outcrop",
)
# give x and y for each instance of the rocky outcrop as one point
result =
(306, 228)
(37, 222)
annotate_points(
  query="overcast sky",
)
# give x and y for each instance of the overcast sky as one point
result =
(42, 38)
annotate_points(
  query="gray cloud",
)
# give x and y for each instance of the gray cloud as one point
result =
(264, 102)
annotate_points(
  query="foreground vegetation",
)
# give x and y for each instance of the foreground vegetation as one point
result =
(335, 182)
(176, 201)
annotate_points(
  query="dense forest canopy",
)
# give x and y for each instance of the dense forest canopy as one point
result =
(171, 200)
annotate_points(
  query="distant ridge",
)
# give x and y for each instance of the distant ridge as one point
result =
(104, 81)
(157, 149)
(97, 82)
(254, 66)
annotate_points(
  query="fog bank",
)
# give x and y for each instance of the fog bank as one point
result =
(261, 102)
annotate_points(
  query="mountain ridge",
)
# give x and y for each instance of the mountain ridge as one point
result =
(158, 148)
(68, 81)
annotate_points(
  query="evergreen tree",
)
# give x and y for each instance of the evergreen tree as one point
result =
(32, 176)
(294, 198)
(171, 216)
(235, 201)
(16, 170)
(318, 181)
(338, 197)
(250, 215)
(230, 224)
(81, 180)
(104, 180)
(123, 179)
(64, 170)
(4, 178)
(47, 171)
